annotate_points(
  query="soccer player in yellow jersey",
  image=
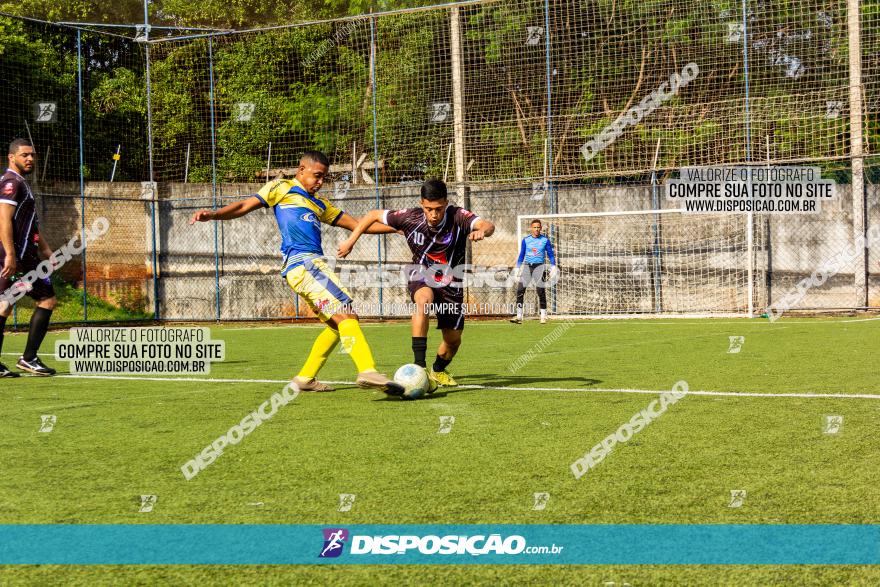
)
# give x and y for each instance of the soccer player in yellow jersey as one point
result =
(300, 211)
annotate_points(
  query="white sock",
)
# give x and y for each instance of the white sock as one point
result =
(543, 314)
(519, 312)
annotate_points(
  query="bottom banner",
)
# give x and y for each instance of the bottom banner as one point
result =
(441, 544)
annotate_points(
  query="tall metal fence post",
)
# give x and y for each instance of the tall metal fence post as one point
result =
(214, 176)
(856, 130)
(154, 196)
(458, 121)
(549, 190)
(82, 190)
(374, 57)
(750, 218)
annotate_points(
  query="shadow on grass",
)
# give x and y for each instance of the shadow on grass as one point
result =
(493, 380)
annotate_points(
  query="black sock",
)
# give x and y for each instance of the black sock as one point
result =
(419, 347)
(440, 363)
(2, 328)
(39, 326)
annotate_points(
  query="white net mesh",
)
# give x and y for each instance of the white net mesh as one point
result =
(668, 263)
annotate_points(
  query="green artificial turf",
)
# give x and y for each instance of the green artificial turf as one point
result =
(516, 432)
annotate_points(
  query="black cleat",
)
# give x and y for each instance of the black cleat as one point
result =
(5, 372)
(35, 366)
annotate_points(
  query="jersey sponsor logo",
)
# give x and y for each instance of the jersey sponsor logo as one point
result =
(309, 217)
(534, 251)
(8, 188)
(438, 257)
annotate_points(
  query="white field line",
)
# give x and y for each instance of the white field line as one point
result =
(578, 322)
(809, 395)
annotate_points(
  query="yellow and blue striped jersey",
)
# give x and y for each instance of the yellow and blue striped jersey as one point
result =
(299, 215)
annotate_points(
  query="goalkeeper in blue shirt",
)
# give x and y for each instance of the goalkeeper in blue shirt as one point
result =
(533, 249)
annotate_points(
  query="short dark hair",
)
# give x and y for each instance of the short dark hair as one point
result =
(15, 145)
(434, 190)
(535, 220)
(316, 157)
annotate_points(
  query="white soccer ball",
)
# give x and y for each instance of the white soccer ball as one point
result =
(414, 380)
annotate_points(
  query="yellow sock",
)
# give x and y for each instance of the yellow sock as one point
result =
(321, 350)
(354, 340)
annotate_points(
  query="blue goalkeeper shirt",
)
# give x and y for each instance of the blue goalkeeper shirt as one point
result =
(533, 250)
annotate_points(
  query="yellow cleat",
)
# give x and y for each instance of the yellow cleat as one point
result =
(432, 385)
(442, 378)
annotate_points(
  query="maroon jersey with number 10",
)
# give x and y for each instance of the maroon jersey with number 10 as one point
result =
(444, 244)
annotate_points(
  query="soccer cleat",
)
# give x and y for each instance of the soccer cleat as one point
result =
(432, 385)
(312, 384)
(543, 320)
(35, 366)
(5, 372)
(516, 320)
(379, 381)
(442, 378)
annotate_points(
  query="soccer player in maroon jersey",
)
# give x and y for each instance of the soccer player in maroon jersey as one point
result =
(437, 234)
(20, 249)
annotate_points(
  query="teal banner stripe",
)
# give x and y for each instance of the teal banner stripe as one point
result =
(466, 544)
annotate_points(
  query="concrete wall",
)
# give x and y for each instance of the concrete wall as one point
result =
(246, 259)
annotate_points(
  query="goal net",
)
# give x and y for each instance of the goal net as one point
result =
(652, 263)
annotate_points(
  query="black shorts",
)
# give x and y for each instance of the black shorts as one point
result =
(41, 288)
(448, 304)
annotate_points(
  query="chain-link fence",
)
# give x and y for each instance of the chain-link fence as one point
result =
(509, 102)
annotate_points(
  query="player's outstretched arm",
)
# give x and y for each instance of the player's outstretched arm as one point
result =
(233, 210)
(482, 229)
(369, 223)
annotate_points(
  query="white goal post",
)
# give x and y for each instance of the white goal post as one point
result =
(652, 263)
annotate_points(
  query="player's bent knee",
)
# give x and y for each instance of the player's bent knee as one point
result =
(424, 295)
(48, 304)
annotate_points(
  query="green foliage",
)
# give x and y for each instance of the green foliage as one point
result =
(311, 85)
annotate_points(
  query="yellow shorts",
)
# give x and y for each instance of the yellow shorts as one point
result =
(320, 288)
